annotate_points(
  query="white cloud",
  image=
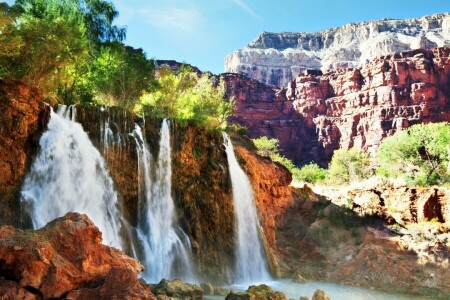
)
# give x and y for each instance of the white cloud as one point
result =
(247, 9)
(178, 20)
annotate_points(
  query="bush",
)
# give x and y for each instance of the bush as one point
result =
(348, 165)
(269, 148)
(419, 154)
(266, 147)
(311, 173)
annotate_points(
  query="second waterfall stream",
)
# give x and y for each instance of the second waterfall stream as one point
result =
(251, 265)
(166, 248)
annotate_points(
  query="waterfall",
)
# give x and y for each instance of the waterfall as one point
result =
(164, 253)
(251, 265)
(69, 175)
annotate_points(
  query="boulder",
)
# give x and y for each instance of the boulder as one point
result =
(320, 295)
(177, 289)
(66, 259)
(257, 292)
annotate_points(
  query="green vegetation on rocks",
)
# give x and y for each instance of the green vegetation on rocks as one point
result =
(419, 154)
(308, 173)
(71, 53)
(348, 165)
(257, 292)
(177, 290)
(187, 96)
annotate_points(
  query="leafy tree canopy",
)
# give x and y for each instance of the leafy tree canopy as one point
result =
(120, 75)
(187, 96)
(348, 165)
(420, 154)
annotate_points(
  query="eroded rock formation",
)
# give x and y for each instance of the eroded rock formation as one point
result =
(319, 113)
(277, 58)
(66, 259)
(23, 118)
(257, 292)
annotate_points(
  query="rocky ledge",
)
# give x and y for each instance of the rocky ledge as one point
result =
(66, 259)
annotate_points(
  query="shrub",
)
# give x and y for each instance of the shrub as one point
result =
(419, 154)
(266, 147)
(349, 165)
(310, 173)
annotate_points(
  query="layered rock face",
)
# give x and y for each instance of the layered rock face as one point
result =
(23, 118)
(66, 259)
(319, 113)
(277, 58)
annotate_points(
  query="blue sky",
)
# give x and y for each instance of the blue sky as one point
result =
(203, 32)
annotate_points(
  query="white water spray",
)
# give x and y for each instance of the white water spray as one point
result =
(69, 175)
(251, 265)
(165, 255)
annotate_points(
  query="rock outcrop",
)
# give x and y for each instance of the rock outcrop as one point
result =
(177, 290)
(66, 259)
(257, 292)
(378, 197)
(23, 118)
(319, 113)
(277, 58)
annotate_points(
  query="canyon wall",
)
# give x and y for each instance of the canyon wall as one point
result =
(320, 112)
(277, 58)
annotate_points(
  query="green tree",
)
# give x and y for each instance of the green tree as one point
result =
(420, 154)
(310, 173)
(120, 75)
(97, 16)
(349, 165)
(10, 42)
(187, 96)
(54, 42)
(265, 146)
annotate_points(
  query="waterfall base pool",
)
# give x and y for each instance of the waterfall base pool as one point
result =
(335, 291)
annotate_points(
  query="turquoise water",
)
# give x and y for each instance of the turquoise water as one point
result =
(334, 291)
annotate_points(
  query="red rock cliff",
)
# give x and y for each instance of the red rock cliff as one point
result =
(319, 113)
(23, 117)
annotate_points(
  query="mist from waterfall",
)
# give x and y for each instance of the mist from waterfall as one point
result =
(251, 265)
(69, 175)
(166, 248)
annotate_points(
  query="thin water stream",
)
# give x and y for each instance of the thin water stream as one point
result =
(251, 265)
(166, 251)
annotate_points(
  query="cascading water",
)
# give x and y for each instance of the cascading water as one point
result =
(164, 253)
(251, 265)
(69, 175)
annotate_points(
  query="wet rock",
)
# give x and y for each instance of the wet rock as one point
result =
(218, 291)
(320, 295)
(177, 289)
(257, 292)
(208, 288)
(66, 259)
(299, 279)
